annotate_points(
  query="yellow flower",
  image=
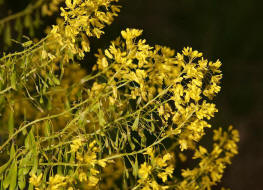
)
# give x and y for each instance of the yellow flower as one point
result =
(145, 170)
(76, 144)
(102, 163)
(35, 180)
(54, 29)
(131, 33)
(93, 181)
(163, 176)
(57, 182)
(94, 171)
(150, 151)
(169, 170)
(108, 54)
(183, 144)
(167, 157)
(90, 158)
(82, 177)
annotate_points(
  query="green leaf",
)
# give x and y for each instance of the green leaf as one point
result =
(117, 139)
(25, 163)
(72, 157)
(37, 20)
(130, 142)
(27, 44)
(28, 21)
(127, 173)
(47, 129)
(12, 151)
(30, 140)
(45, 174)
(143, 138)
(25, 62)
(30, 187)
(1, 182)
(55, 80)
(11, 123)
(152, 127)
(6, 182)
(102, 121)
(35, 160)
(59, 169)
(135, 168)
(12, 175)
(12, 156)
(21, 179)
(136, 123)
(3, 167)
(13, 80)
(18, 25)
(7, 35)
(18, 28)
(41, 100)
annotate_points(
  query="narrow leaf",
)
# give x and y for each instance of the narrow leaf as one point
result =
(21, 179)
(136, 123)
(102, 121)
(11, 123)
(13, 175)
(135, 168)
(7, 35)
(13, 80)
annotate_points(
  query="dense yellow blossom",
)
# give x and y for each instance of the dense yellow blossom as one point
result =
(144, 171)
(76, 144)
(83, 19)
(57, 182)
(35, 180)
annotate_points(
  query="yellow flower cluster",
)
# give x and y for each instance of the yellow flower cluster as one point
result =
(35, 180)
(54, 183)
(76, 144)
(211, 165)
(135, 113)
(158, 164)
(89, 172)
(187, 78)
(57, 182)
(83, 19)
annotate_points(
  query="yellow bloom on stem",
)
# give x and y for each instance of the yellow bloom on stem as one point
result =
(145, 170)
(35, 180)
(93, 181)
(82, 177)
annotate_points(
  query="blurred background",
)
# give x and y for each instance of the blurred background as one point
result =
(227, 30)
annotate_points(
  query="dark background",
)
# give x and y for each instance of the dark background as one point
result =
(229, 30)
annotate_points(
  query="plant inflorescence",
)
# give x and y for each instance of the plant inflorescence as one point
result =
(134, 122)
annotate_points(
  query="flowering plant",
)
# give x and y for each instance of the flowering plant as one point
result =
(130, 123)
